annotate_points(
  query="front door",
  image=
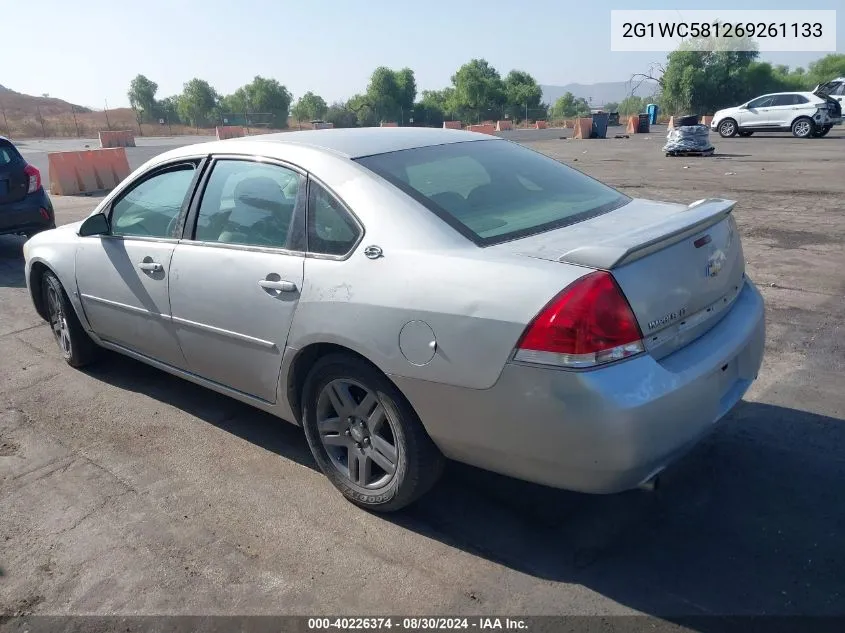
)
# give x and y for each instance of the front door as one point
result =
(756, 113)
(122, 277)
(235, 279)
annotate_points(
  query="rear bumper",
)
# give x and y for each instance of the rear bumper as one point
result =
(25, 215)
(600, 431)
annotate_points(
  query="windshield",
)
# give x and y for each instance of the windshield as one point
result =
(495, 191)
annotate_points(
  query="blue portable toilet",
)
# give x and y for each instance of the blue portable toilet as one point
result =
(651, 109)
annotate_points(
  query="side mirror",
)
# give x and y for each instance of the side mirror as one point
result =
(97, 224)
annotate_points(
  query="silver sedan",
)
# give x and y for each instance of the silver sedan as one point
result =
(409, 295)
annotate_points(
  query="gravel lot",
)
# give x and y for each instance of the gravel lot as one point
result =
(124, 490)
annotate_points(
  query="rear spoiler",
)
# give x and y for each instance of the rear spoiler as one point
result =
(630, 246)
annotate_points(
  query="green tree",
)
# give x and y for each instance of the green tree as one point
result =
(522, 93)
(406, 85)
(309, 107)
(564, 107)
(265, 96)
(824, 69)
(611, 106)
(384, 96)
(631, 105)
(479, 90)
(142, 98)
(198, 103)
(340, 115)
(169, 109)
(365, 112)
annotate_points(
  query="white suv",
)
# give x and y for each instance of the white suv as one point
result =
(805, 114)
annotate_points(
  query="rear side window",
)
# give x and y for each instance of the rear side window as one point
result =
(331, 230)
(495, 191)
(8, 154)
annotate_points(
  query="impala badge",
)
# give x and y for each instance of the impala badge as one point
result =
(715, 263)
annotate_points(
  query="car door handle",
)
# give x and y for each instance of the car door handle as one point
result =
(281, 285)
(152, 267)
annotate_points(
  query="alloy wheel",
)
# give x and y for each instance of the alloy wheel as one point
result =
(58, 321)
(358, 433)
(803, 128)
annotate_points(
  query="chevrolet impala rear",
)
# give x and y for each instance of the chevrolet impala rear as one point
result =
(644, 330)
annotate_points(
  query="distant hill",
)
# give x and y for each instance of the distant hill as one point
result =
(18, 105)
(600, 93)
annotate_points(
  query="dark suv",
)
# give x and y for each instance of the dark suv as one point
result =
(25, 207)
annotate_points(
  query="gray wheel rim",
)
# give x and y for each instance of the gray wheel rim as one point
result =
(727, 128)
(358, 433)
(802, 128)
(58, 322)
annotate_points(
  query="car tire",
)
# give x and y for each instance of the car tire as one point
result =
(820, 132)
(365, 436)
(745, 133)
(76, 346)
(803, 127)
(728, 128)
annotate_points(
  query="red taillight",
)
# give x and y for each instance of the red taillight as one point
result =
(34, 178)
(588, 324)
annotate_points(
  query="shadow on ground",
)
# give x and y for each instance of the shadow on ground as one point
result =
(750, 523)
(11, 262)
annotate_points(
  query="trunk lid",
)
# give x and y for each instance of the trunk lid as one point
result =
(680, 267)
(13, 181)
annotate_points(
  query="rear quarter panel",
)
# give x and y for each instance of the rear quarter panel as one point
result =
(476, 301)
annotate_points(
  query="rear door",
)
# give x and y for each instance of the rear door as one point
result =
(13, 181)
(237, 274)
(122, 277)
(785, 108)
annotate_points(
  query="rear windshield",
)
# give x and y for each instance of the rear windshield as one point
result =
(8, 154)
(495, 191)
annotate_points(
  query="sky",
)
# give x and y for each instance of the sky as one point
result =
(87, 51)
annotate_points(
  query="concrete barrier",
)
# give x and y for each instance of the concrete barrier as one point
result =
(540, 125)
(582, 127)
(483, 128)
(87, 171)
(116, 138)
(324, 126)
(452, 125)
(229, 131)
(389, 124)
(504, 125)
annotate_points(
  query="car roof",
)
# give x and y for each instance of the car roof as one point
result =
(789, 92)
(359, 142)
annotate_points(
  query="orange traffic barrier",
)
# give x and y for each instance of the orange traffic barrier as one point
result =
(483, 128)
(117, 138)
(86, 171)
(540, 125)
(583, 127)
(504, 125)
(634, 124)
(706, 120)
(671, 124)
(452, 125)
(389, 124)
(229, 131)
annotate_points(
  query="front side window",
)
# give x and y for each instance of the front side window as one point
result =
(331, 231)
(495, 191)
(152, 208)
(761, 102)
(248, 203)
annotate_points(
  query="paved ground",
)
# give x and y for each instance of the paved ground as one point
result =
(123, 490)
